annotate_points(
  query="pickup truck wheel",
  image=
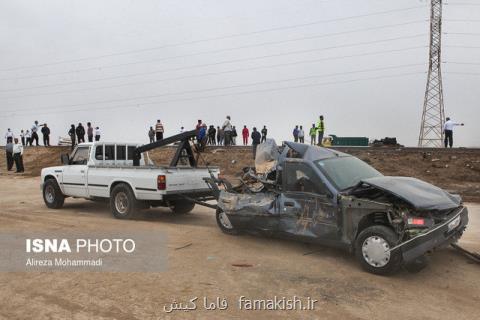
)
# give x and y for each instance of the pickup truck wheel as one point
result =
(123, 202)
(224, 223)
(52, 195)
(181, 207)
(372, 250)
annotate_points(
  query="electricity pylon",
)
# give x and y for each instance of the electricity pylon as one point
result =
(433, 117)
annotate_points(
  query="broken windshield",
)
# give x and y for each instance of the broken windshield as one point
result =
(346, 172)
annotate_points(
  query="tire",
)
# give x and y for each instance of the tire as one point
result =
(224, 223)
(123, 203)
(52, 195)
(181, 207)
(369, 247)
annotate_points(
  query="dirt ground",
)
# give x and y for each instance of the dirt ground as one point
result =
(449, 288)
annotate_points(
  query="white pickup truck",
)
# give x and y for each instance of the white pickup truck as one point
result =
(102, 171)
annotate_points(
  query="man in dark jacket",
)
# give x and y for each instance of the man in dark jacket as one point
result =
(46, 135)
(264, 134)
(9, 154)
(211, 135)
(255, 141)
(71, 133)
(80, 133)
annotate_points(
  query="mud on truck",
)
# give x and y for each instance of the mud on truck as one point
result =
(324, 196)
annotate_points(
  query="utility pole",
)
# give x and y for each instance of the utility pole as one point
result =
(433, 117)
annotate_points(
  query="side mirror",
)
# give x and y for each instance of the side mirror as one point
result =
(65, 160)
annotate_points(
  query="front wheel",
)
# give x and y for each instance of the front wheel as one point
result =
(372, 249)
(224, 223)
(52, 195)
(123, 203)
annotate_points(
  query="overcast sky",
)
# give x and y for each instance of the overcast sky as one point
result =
(123, 64)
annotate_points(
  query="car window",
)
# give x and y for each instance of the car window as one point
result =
(131, 150)
(81, 156)
(121, 152)
(99, 153)
(300, 177)
(109, 152)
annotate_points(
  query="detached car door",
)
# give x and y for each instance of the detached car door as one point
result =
(306, 208)
(75, 174)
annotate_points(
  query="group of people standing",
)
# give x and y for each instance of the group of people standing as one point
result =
(77, 135)
(29, 137)
(14, 154)
(315, 130)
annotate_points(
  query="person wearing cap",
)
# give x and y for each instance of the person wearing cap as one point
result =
(18, 156)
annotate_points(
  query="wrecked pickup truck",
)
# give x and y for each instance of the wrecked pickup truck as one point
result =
(323, 196)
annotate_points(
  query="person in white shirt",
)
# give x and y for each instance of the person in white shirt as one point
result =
(227, 129)
(9, 135)
(98, 133)
(35, 129)
(22, 137)
(18, 156)
(301, 135)
(28, 138)
(448, 131)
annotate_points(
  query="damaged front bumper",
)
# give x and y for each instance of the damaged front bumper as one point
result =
(439, 235)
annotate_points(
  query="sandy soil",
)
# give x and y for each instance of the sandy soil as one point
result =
(449, 288)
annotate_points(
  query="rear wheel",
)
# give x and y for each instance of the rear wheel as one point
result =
(123, 203)
(52, 195)
(181, 207)
(224, 223)
(372, 249)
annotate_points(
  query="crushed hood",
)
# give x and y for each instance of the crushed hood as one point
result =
(420, 194)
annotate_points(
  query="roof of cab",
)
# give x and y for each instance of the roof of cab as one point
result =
(312, 153)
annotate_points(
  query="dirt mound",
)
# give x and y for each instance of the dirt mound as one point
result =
(456, 170)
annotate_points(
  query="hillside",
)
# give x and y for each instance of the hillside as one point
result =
(456, 170)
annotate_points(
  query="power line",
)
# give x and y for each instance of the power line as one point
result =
(294, 26)
(463, 33)
(227, 87)
(219, 73)
(466, 63)
(213, 51)
(211, 64)
(231, 94)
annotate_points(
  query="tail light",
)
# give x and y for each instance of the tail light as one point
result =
(416, 221)
(161, 182)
